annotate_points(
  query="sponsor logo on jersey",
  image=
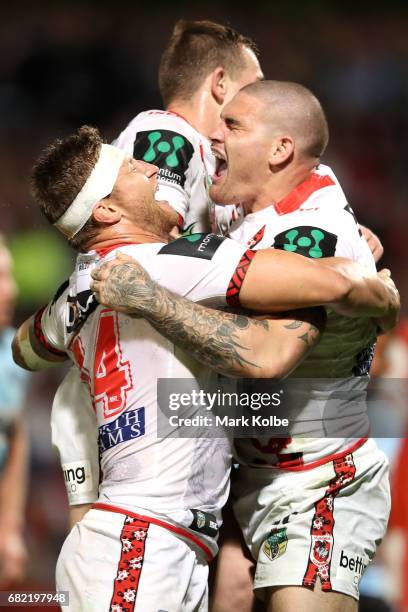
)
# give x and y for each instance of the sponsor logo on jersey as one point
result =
(204, 522)
(275, 544)
(78, 477)
(202, 246)
(168, 150)
(351, 567)
(189, 230)
(128, 426)
(308, 241)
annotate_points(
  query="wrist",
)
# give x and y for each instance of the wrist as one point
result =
(143, 299)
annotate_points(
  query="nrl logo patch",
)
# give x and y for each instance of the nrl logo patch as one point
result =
(275, 544)
(200, 517)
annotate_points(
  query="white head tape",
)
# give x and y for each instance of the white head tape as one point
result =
(98, 185)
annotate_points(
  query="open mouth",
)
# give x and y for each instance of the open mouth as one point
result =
(221, 167)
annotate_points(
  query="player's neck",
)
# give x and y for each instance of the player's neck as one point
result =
(201, 111)
(110, 238)
(277, 188)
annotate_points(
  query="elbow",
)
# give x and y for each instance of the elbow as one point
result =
(274, 370)
(342, 288)
(16, 353)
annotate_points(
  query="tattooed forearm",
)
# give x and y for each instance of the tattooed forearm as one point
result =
(213, 337)
(230, 343)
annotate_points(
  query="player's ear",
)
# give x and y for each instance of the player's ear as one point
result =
(218, 84)
(281, 151)
(106, 211)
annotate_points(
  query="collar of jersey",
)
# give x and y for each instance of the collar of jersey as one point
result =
(173, 112)
(302, 192)
(106, 250)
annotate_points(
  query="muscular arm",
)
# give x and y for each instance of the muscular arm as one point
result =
(277, 280)
(232, 344)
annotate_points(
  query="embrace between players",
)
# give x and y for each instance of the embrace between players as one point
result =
(311, 509)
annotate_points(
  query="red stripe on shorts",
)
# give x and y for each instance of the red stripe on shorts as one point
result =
(321, 532)
(133, 540)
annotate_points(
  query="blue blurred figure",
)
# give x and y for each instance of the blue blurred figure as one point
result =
(13, 439)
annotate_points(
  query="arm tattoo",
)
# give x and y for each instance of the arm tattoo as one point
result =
(314, 319)
(211, 336)
(310, 336)
(294, 325)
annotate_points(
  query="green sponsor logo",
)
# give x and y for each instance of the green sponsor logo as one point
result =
(295, 241)
(308, 241)
(159, 145)
(193, 237)
(189, 230)
(199, 245)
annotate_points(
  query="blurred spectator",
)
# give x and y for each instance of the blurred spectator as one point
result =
(384, 587)
(13, 439)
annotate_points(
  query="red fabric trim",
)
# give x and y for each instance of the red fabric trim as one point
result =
(237, 278)
(293, 466)
(159, 523)
(256, 239)
(103, 252)
(180, 222)
(321, 530)
(39, 334)
(125, 586)
(302, 192)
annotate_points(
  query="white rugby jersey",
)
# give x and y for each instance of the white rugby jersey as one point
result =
(121, 358)
(315, 220)
(186, 165)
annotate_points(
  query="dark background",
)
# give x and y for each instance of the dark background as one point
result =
(65, 64)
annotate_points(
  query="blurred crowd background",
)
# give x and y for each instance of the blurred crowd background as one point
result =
(63, 65)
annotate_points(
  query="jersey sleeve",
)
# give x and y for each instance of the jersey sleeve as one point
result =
(318, 235)
(49, 322)
(205, 268)
(74, 433)
(167, 141)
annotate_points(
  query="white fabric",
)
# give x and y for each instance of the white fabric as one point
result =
(173, 577)
(192, 200)
(273, 501)
(74, 433)
(344, 339)
(169, 476)
(98, 185)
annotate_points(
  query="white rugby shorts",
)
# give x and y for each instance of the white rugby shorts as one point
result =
(111, 562)
(321, 524)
